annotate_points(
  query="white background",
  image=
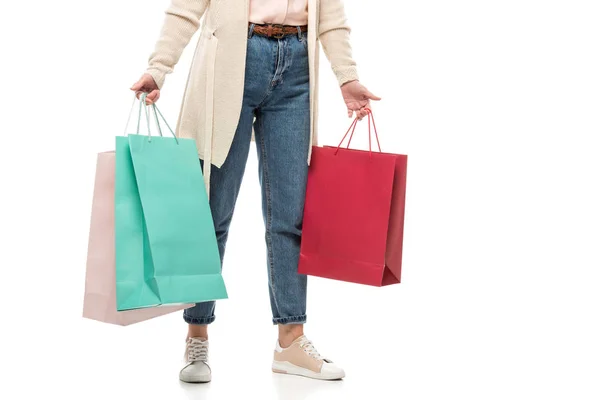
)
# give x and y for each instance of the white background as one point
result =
(495, 102)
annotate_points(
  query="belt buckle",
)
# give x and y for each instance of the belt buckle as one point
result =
(280, 36)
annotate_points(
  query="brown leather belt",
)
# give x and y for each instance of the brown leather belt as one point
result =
(277, 31)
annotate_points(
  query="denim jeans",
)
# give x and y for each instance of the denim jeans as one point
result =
(276, 104)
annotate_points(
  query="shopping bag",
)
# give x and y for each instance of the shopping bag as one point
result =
(354, 214)
(166, 246)
(100, 301)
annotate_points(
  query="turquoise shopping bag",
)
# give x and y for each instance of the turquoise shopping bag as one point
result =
(166, 247)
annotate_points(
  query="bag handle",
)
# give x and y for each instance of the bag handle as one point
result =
(352, 127)
(156, 114)
(137, 132)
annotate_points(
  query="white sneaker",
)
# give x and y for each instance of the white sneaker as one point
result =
(196, 369)
(301, 358)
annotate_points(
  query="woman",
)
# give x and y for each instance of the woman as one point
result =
(256, 66)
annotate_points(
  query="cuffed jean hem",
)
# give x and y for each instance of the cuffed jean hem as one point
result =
(298, 319)
(198, 321)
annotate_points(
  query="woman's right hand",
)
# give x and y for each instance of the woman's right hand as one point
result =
(146, 84)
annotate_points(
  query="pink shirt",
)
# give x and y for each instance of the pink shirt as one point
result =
(285, 12)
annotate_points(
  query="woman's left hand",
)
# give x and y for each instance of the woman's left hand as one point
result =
(357, 98)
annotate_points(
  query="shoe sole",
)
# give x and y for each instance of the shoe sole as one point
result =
(285, 367)
(195, 380)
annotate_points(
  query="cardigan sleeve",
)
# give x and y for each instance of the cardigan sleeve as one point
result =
(334, 34)
(182, 20)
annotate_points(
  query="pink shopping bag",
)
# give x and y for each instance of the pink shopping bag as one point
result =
(100, 281)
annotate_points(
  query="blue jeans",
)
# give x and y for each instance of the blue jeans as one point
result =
(276, 103)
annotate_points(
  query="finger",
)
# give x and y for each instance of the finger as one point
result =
(139, 93)
(350, 112)
(152, 96)
(360, 115)
(371, 96)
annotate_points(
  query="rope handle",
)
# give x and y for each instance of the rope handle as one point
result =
(371, 119)
(156, 111)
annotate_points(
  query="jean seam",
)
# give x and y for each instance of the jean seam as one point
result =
(270, 86)
(285, 65)
(269, 212)
(289, 60)
(279, 68)
(198, 320)
(293, 318)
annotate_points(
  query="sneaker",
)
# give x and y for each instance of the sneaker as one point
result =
(301, 358)
(196, 369)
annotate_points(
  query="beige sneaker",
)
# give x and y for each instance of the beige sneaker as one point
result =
(196, 369)
(301, 358)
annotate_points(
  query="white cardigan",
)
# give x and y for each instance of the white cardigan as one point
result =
(213, 97)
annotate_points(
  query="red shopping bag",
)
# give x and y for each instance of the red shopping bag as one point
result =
(354, 214)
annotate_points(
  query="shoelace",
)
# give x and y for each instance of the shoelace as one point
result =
(309, 348)
(196, 350)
